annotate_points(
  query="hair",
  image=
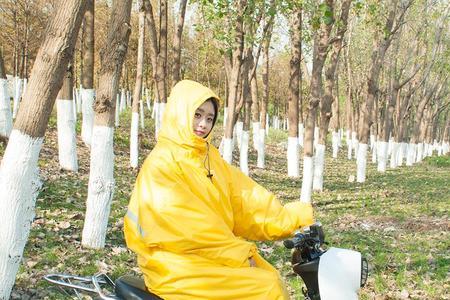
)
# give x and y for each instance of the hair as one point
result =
(216, 108)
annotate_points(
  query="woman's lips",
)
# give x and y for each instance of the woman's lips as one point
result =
(199, 132)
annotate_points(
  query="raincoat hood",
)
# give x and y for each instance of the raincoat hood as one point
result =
(177, 124)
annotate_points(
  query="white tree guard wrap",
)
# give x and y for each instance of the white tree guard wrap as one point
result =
(67, 142)
(361, 163)
(79, 100)
(100, 189)
(382, 154)
(301, 132)
(410, 157)
(307, 180)
(419, 154)
(255, 131)
(339, 274)
(394, 155)
(243, 155)
(228, 150)
(87, 96)
(141, 114)
(19, 186)
(260, 162)
(5, 109)
(134, 140)
(293, 157)
(374, 152)
(335, 143)
(319, 162)
(430, 150)
(403, 151)
(17, 95)
(238, 130)
(123, 100)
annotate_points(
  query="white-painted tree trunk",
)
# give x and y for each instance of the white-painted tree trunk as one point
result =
(301, 131)
(316, 136)
(238, 128)
(446, 148)
(419, 154)
(260, 163)
(335, 143)
(374, 152)
(267, 125)
(355, 143)
(117, 111)
(141, 113)
(349, 142)
(228, 150)
(88, 115)
(80, 100)
(382, 156)
(394, 155)
(19, 186)
(123, 100)
(361, 162)
(372, 141)
(25, 83)
(74, 105)
(67, 142)
(128, 97)
(403, 150)
(5, 109)
(307, 180)
(134, 140)
(159, 116)
(319, 161)
(293, 157)
(255, 130)
(430, 150)
(100, 189)
(17, 95)
(147, 100)
(243, 155)
(410, 157)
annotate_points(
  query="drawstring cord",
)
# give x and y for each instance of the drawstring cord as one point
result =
(204, 162)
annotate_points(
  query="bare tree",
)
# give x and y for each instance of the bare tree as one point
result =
(101, 176)
(19, 163)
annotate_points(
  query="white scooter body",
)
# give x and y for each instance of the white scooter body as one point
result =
(339, 274)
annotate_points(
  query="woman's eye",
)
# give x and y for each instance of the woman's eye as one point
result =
(197, 115)
(210, 120)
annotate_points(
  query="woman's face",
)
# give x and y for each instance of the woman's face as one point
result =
(204, 119)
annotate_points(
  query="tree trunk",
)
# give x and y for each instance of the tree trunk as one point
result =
(18, 179)
(87, 75)
(101, 177)
(233, 85)
(263, 129)
(294, 80)
(247, 99)
(321, 44)
(134, 131)
(177, 44)
(67, 143)
(5, 107)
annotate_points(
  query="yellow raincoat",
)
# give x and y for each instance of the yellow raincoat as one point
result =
(190, 230)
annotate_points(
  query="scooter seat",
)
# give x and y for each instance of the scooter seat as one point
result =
(132, 288)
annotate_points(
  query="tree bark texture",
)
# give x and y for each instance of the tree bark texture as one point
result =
(87, 76)
(176, 49)
(294, 73)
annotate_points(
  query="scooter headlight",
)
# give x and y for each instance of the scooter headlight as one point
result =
(364, 271)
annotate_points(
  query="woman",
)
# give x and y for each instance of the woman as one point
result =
(191, 213)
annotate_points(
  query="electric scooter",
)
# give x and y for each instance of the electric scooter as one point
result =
(332, 274)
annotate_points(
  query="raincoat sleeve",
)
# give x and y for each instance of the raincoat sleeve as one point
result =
(259, 215)
(169, 216)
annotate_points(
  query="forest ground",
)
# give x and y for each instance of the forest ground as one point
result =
(398, 220)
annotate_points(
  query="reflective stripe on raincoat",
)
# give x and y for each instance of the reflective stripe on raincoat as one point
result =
(190, 230)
